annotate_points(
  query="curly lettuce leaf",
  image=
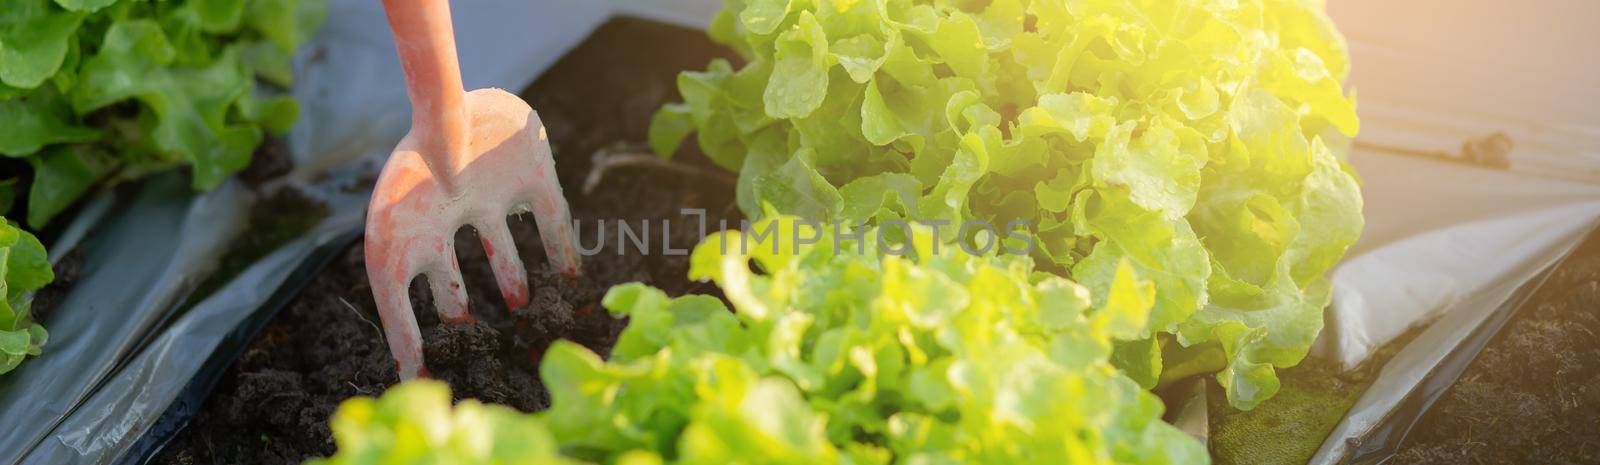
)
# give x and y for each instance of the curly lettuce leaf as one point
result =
(24, 268)
(834, 353)
(34, 121)
(86, 6)
(414, 423)
(1187, 139)
(61, 175)
(9, 191)
(841, 355)
(34, 40)
(286, 24)
(154, 86)
(94, 92)
(189, 106)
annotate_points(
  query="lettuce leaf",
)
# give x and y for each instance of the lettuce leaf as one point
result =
(146, 86)
(24, 268)
(414, 423)
(832, 354)
(1190, 140)
(94, 92)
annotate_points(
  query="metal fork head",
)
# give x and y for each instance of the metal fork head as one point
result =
(506, 168)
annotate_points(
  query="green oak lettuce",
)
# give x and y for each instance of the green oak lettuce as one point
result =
(848, 356)
(832, 355)
(23, 270)
(1198, 141)
(96, 91)
(415, 424)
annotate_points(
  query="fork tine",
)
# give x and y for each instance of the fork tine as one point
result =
(449, 292)
(400, 327)
(542, 195)
(503, 257)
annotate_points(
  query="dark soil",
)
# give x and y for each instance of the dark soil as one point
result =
(270, 161)
(67, 270)
(273, 404)
(1532, 395)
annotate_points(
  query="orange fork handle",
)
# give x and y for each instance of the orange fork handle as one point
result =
(427, 46)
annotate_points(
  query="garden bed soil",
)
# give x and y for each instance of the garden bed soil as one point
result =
(272, 405)
(67, 270)
(1533, 394)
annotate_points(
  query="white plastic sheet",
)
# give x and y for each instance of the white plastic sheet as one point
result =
(1433, 75)
(1438, 235)
(1448, 243)
(126, 284)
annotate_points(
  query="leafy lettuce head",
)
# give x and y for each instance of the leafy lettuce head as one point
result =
(832, 355)
(1199, 141)
(103, 91)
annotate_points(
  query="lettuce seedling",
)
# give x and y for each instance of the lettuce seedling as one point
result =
(24, 268)
(1200, 142)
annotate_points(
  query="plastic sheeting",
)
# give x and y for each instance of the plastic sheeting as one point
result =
(1434, 84)
(1450, 245)
(127, 283)
(166, 374)
(1459, 231)
(1443, 236)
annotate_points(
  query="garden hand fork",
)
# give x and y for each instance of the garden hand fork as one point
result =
(471, 158)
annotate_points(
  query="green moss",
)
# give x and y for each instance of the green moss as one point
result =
(1289, 428)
